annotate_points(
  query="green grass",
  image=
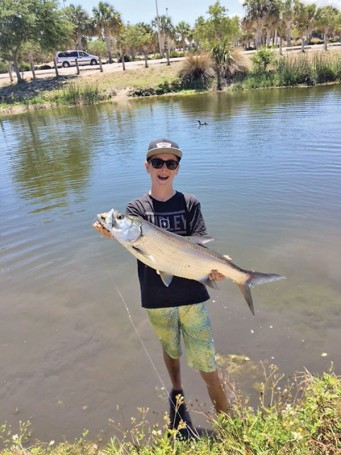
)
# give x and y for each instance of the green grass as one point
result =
(294, 417)
(75, 95)
(292, 70)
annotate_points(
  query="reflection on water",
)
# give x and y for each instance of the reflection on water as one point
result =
(266, 169)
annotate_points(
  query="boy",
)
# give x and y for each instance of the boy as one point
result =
(179, 308)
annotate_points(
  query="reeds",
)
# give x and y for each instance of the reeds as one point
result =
(299, 70)
(76, 95)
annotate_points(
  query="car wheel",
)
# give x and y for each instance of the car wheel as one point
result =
(93, 62)
(66, 64)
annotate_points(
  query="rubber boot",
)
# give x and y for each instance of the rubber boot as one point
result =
(178, 412)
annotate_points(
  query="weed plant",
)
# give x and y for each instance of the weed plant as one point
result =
(76, 95)
(299, 416)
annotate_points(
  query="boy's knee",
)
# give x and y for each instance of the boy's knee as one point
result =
(212, 379)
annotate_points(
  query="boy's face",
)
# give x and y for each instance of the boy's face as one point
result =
(163, 176)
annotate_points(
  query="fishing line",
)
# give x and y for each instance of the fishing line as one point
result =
(139, 337)
(135, 328)
(191, 431)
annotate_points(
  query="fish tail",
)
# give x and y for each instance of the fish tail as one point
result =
(255, 279)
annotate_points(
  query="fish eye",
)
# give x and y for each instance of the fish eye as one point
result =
(120, 217)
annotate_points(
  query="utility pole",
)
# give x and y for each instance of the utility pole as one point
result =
(158, 28)
(166, 38)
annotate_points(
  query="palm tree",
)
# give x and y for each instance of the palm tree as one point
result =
(166, 32)
(328, 20)
(287, 18)
(145, 32)
(79, 18)
(183, 32)
(258, 13)
(107, 23)
(305, 16)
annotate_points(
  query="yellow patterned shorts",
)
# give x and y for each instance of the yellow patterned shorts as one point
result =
(192, 321)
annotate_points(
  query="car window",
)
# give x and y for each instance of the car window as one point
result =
(62, 54)
(82, 54)
(73, 54)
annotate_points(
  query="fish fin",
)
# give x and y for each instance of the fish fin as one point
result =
(227, 257)
(245, 288)
(165, 277)
(142, 253)
(199, 239)
(211, 284)
(254, 279)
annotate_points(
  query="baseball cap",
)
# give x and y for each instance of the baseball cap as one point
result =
(160, 146)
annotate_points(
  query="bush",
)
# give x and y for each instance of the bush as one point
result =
(323, 70)
(295, 71)
(196, 72)
(127, 58)
(262, 59)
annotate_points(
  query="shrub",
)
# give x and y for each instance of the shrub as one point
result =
(196, 72)
(262, 59)
(295, 71)
(323, 70)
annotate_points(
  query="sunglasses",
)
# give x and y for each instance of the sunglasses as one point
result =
(158, 163)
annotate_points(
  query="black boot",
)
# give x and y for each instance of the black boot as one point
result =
(178, 412)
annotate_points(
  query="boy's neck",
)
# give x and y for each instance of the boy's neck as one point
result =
(162, 194)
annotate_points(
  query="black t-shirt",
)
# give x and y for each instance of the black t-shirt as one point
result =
(182, 215)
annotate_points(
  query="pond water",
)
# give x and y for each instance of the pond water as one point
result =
(76, 350)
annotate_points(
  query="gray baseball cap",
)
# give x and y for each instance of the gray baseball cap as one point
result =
(160, 146)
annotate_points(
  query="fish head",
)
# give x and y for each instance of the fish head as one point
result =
(124, 228)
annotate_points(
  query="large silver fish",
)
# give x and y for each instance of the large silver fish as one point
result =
(173, 255)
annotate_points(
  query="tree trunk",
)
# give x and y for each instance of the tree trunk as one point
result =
(16, 67)
(145, 59)
(108, 46)
(218, 75)
(302, 44)
(288, 36)
(32, 67)
(10, 72)
(325, 41)
(123, 62)
(79, 45)
(167, 53)
(56, 67)
(280, 45)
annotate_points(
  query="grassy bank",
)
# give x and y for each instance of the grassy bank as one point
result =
(296, 417)
(95, 87)
(88, 88)
(291, 71)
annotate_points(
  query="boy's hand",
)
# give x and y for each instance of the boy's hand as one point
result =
(101, 230)
(216, 276)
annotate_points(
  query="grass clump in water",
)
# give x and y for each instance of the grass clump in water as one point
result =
(75, 95)
(298, 416)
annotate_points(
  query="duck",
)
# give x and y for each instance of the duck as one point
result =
(202, 123)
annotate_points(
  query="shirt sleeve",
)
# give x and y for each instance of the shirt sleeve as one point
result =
(197, 224)
(134, 208)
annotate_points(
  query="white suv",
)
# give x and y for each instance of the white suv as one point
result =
(68, 58)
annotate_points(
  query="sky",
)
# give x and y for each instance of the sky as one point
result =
(145, 10)
(134, 11)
